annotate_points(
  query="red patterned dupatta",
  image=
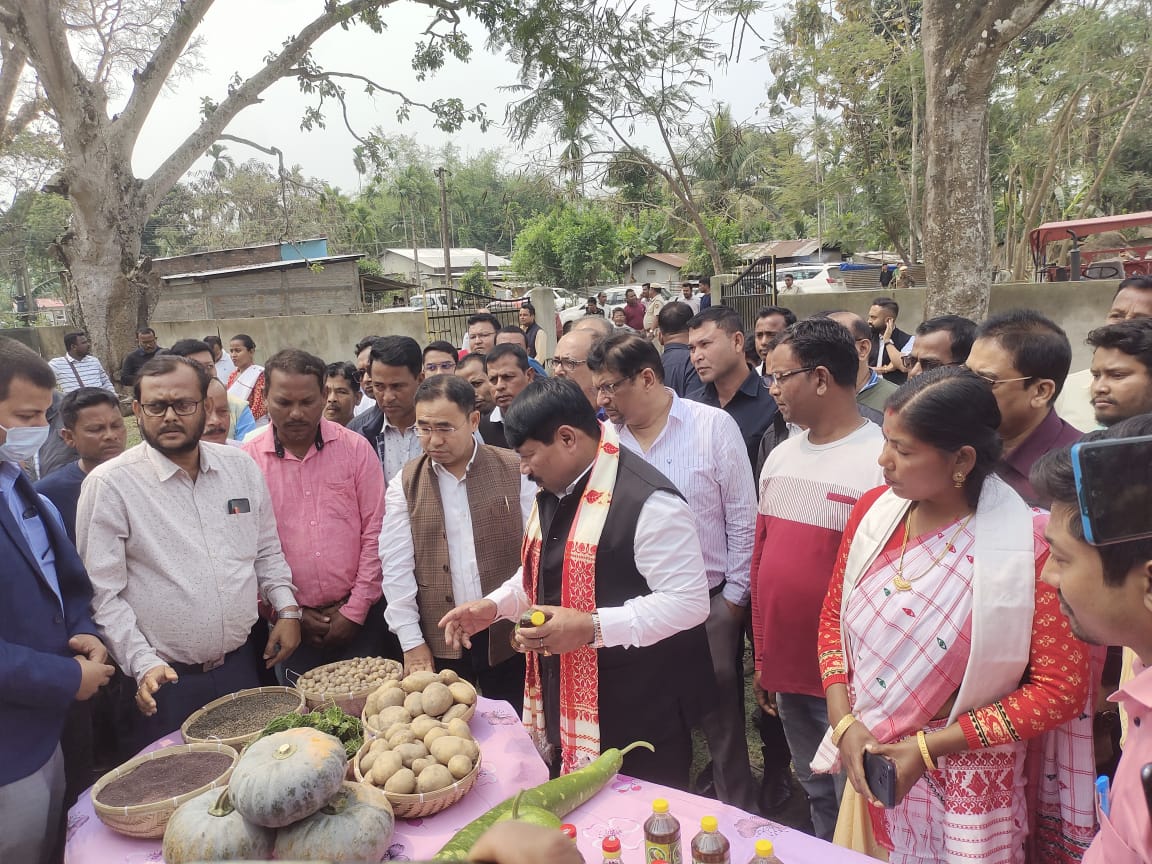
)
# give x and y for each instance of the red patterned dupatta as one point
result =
(579, 675)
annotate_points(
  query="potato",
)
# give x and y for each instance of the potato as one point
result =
(424, 724)
(390, 698)
(367, 760)
(414, 704)
(392, 730)
(456, 711)
(409, 753)
(378, 744)
(434, 778)
(402, 735)
(433, 734)
(463, 692)
(386, 765)
(417, 681)
(448, 676)
(460, 766)
(459, 728)
(436, 699)
(403, 782)
(471, 749)
(447, 747)
(419, 765)
(395, 714)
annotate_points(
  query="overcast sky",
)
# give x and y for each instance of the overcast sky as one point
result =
(239, 33)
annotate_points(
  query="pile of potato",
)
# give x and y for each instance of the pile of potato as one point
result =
(424, 744)
(350, 676)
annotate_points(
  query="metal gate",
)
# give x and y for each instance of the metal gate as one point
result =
(447, 315)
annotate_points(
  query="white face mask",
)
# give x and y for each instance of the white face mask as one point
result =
(22, 442)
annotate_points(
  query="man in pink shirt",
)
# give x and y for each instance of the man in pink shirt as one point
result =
(1106, 592)
(328, 496)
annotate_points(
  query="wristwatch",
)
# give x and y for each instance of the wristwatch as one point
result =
(597, 636)
(290, 614)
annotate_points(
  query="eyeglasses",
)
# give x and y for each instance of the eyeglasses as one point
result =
(773, 378)
(441, 429)
(446, 366)
(992, 382)
(927, 364)
(610, 388)
(182, 407)
(486, 334)
(570, 364)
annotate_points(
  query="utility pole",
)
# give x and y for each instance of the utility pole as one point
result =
(441, 173)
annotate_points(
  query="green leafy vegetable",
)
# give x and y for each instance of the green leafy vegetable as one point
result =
(332, 720)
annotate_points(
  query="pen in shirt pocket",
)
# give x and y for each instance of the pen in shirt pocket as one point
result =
(1102, 794)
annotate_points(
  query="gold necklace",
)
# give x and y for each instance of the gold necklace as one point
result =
(902, 584)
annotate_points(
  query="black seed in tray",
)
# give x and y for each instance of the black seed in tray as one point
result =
(161, 779)
(242, 716)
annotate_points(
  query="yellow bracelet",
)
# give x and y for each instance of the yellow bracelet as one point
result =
(842, 727)
(922, 743)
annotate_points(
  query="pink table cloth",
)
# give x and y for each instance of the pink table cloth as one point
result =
(510, 763)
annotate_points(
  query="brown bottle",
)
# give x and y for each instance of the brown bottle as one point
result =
(710, 846)
(661, 835)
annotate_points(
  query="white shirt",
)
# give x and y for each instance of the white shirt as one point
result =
(397, 554)
(175, 574)
(72, 374)
(694, 450)
(224, 368)
(671, 565)
(366, 403)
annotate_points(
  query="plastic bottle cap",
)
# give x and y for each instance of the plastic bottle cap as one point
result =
(537, 618)
(660, 805)
(569, 829)
(611, 843)
(709, 824)
(764, 848)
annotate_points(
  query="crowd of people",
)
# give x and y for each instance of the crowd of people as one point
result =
(889, 518)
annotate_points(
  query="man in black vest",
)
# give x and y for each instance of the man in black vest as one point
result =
(649, 649)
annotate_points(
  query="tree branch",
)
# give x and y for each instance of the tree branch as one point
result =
(150, 80)
(248, 93)
(11, 68)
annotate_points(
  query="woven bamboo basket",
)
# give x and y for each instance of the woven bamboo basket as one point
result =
(371, 731)
(238, 741)
(148, 821)
(420, 805)
(351, 702)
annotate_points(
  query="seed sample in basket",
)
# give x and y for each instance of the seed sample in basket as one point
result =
(163, 778)
(245, 715)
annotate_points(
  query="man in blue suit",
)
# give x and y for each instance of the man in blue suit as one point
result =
(49, 655)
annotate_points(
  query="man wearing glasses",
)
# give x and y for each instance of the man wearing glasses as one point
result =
(180, 541)
(440, 358)
(482, 330)
(464, 503)
(942, 341)
(1025, 357)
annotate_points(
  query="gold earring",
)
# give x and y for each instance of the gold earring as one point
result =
(958, 480)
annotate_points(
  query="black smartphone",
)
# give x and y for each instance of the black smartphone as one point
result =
(880, 772)
(1146, 781)
(1114, 488)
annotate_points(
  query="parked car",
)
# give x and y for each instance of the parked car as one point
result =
(436, 302)
(811, 279)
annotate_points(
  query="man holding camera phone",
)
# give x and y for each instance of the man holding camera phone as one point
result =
(1106, 592)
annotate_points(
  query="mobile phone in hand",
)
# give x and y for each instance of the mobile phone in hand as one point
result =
(880, 773)
(1112, 511)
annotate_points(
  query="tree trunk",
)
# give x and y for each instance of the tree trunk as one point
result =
(963, 40)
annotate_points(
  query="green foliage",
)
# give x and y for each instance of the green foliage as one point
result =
(475, 280)
(332, 720)
(570, 248)
(726, 234)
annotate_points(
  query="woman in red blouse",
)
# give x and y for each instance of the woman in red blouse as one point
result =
(247, 379)
(941, 648)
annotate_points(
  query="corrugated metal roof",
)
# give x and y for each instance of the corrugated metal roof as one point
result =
(779, 248)
(460, 258)
(254, 268)
(672, 259)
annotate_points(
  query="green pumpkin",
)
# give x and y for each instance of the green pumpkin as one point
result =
(356, 825)
(288, 776)
(208, 828)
